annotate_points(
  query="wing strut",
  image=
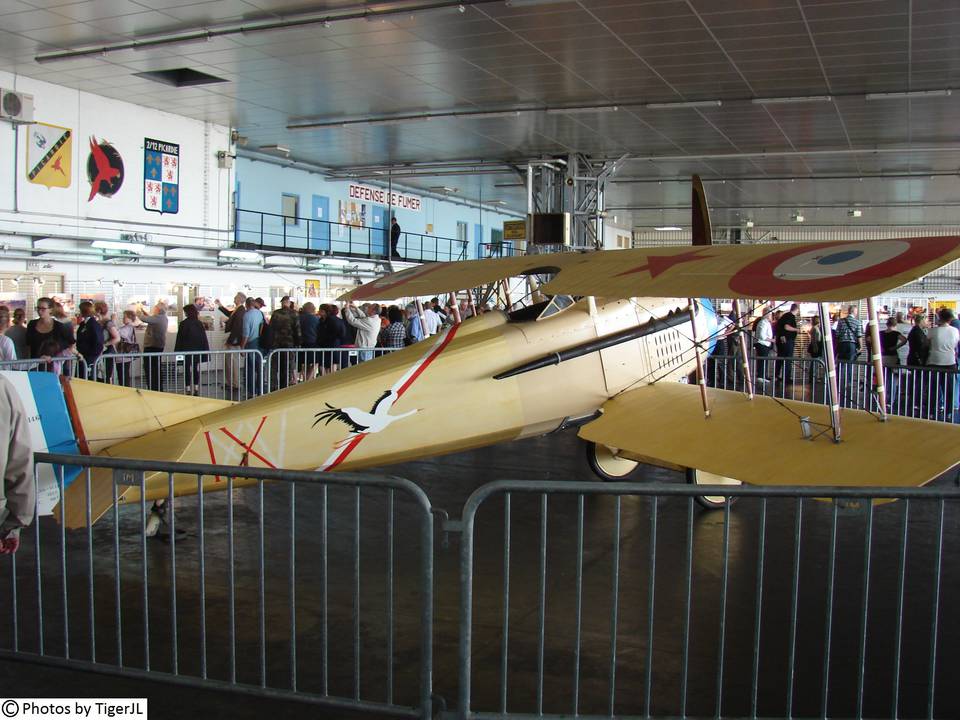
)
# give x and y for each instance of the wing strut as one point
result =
(744, 355)
(878, 386)
(698, 351)
(833, 399)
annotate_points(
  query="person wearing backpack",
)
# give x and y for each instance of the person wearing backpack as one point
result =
(89, 337)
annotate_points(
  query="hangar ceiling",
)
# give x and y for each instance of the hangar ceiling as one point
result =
(510, 81)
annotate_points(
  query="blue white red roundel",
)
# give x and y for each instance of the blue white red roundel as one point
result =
(835, 265)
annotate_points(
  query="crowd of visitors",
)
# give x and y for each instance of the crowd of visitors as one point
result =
(99, 345)
(920, 362)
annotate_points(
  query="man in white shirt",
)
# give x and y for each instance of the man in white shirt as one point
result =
(432, 320)
(763, 344)
(367, 322)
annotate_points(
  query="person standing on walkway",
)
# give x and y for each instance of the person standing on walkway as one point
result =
(154, 342)
(18, 493)
(394, 239)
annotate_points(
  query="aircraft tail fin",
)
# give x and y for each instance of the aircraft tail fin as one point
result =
(702, 232)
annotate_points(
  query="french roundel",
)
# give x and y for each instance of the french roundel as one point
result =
(835, 265)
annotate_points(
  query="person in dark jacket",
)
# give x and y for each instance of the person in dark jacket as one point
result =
(89, 337)
(192, 338)
(919, 349)
(394, 239)
(309, 325)
(284, 336)
(336, 335)
(234, 329)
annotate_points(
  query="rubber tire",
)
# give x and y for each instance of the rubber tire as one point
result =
(701, 477)
(606, 466)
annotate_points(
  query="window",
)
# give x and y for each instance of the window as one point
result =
(461, 231)
(290, 208)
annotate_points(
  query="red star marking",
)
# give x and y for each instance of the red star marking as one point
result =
(659, 264)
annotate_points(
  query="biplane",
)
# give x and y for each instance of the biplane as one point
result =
(607, 349)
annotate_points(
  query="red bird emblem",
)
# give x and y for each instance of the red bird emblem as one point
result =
(105, 171)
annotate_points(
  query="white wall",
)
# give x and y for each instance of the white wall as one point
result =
(204, 189)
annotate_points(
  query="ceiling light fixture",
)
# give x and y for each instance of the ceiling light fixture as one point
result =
(855, 213)
(582, 110)
(792, 100)
(906, 94)
(283, 149)
(135, 248)
(685, 104)
(667, 228)
(241, 255)
(443, 189)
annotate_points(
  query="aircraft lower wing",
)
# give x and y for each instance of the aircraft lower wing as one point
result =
(760, 442)
(820, 271)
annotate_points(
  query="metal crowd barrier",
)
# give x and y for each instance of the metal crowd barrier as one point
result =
(289, 366)
(919, 392)
(607, 630)
(222, 374)
(795, 378)
(262, 595)
(72, 366)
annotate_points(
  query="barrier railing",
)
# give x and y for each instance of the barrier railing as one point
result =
(70, 365)
(289, 366)
(222, 374)
(919, 392)
(304, 235)
(572, 630)
(263, 595)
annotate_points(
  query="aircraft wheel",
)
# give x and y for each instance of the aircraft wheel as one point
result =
(702, 477)
(607, 465)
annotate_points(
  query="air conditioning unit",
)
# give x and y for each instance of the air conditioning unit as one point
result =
(16, 106)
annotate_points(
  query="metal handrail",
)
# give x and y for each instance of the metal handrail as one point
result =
(359, 240)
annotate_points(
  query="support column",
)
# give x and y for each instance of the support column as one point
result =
(744, 356)
(701, 377)
(830, 381)
(455, 307)
(876, 356)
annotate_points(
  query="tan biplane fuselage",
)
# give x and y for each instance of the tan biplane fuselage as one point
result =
(437, 396)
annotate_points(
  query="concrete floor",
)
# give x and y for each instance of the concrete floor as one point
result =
(448, 482)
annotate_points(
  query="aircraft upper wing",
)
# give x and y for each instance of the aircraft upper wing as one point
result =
(821, 271)
(759, 442)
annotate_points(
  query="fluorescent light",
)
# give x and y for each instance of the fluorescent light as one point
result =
(797, 217)
(792, 100)
(484, 115)
(275, 148)
(906, 94)
(690, 104)
(443, 189)
(582, 110)
(855, 213)
(748, 224)
(334, 261)
(136, 248)
(666, 228)
(242, 255)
